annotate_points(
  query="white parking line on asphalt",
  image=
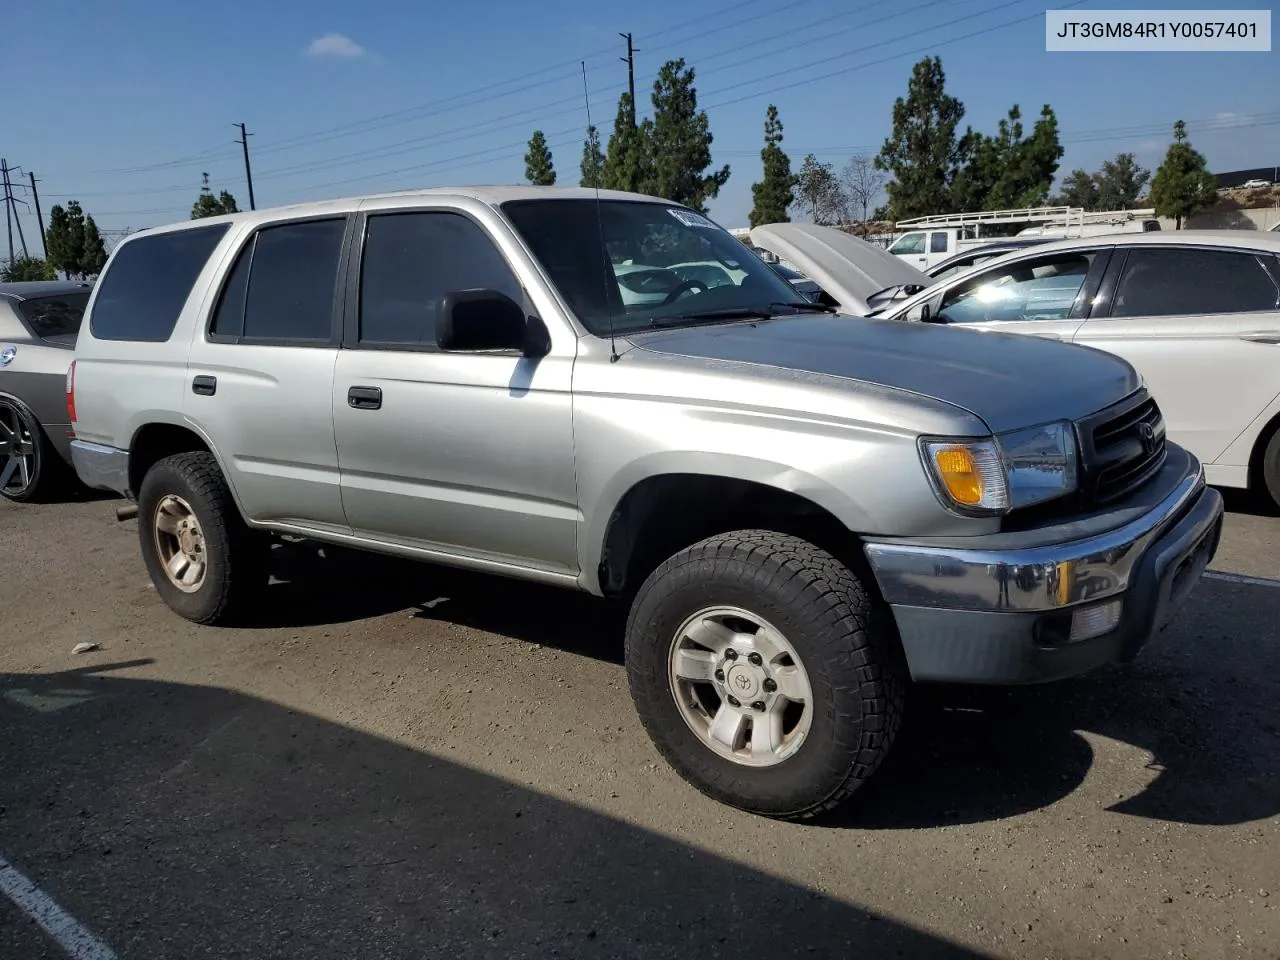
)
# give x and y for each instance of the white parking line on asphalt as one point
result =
(77, 941)
(1237, 578)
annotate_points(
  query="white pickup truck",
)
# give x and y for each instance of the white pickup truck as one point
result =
(925, 242)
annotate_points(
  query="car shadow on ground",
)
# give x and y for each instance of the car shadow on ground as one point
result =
(1200, 700)
(196, 822)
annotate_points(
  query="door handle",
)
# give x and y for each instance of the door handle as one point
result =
(1262, 336)
(365, 398)
(1050, 336)
(205, 386)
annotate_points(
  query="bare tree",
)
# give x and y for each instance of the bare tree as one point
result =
(862, 185)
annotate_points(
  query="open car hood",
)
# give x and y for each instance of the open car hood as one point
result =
(850, 270)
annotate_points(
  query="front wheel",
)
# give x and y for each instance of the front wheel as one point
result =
(765, 673)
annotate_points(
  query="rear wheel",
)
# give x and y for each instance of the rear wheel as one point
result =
(205, 562)
(30, 468)
(1269, 471)
(765, 673)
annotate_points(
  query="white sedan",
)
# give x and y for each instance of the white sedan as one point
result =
(1197, 312)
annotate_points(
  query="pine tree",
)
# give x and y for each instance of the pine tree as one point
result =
(592, 166)
(776, 190)
(627, 164)
(922, 152)
(207, 205)
(538, 168)
(93, 255)
(1182, 184)
(681, 141)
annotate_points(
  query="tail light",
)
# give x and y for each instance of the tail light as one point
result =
(71, 392)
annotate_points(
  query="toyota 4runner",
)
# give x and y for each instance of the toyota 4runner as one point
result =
(607, 392)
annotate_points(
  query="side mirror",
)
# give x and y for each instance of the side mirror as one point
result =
(471, 320)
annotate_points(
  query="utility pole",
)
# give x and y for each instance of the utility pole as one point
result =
(8, 206)
(44, 246)
(248, 174)
(630, 61)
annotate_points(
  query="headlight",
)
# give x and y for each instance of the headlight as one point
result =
(1012, 470)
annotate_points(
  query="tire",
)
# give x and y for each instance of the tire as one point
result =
(1269, 470)
(185, 509)
(31, 471)
(842, 641)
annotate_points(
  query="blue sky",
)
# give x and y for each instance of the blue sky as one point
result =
(133, 100)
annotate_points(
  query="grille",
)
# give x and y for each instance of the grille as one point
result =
(1122, 448)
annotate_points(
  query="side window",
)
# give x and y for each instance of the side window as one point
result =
(147, 282)
(1168, 281)
(1044, 288)
(937, 243)
(228, 321)
(54, 316)
(291, 279)
(411, 261)
(911, 243)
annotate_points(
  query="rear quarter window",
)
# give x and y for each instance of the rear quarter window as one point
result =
(147, 282)
(54, 316)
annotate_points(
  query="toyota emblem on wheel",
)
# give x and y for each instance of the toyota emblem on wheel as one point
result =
(742, 681)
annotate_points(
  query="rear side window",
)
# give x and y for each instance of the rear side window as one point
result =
(281, 287)
(1162, 282)
(147, 282)
(54, 316)
(937, 243)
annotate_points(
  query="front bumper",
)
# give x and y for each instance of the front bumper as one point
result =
(1002, 614)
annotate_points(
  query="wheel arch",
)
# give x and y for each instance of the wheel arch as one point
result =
(158, 436)
(682, 504)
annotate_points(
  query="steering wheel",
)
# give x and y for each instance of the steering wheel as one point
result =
(688, 286)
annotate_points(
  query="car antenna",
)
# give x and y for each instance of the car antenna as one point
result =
(608, 311)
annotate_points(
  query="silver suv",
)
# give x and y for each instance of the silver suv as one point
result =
(804, 512)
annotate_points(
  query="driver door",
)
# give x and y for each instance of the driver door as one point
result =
(1044, 295)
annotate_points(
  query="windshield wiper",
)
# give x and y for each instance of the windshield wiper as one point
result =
(804, 305)
(711, 316)
(767, 312)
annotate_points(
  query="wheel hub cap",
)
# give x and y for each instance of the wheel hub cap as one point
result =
(740, 686)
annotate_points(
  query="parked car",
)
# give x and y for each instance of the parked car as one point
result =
(38, 325)
(1256, 182)
(1197, 312)
(803, 512)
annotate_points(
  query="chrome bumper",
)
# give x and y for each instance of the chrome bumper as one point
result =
(1034, 578)
(968, 614)
(101, 467)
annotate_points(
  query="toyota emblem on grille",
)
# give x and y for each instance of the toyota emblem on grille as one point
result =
(1147, 434)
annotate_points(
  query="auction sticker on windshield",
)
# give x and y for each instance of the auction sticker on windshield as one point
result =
(691, 219)
(1153, 31)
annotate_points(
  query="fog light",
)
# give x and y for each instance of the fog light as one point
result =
(1095, 620)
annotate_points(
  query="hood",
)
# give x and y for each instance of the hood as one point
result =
(847, 268)
(1008, 380)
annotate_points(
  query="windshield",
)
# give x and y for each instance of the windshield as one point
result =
(660, 264)
(54, 316)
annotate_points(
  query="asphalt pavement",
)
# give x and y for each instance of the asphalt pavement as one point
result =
(399, 761)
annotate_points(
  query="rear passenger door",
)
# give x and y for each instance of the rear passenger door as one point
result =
(1202, 324)
(470, 454)
(261, 382)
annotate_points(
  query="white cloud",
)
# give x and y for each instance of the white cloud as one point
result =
(335, 45)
